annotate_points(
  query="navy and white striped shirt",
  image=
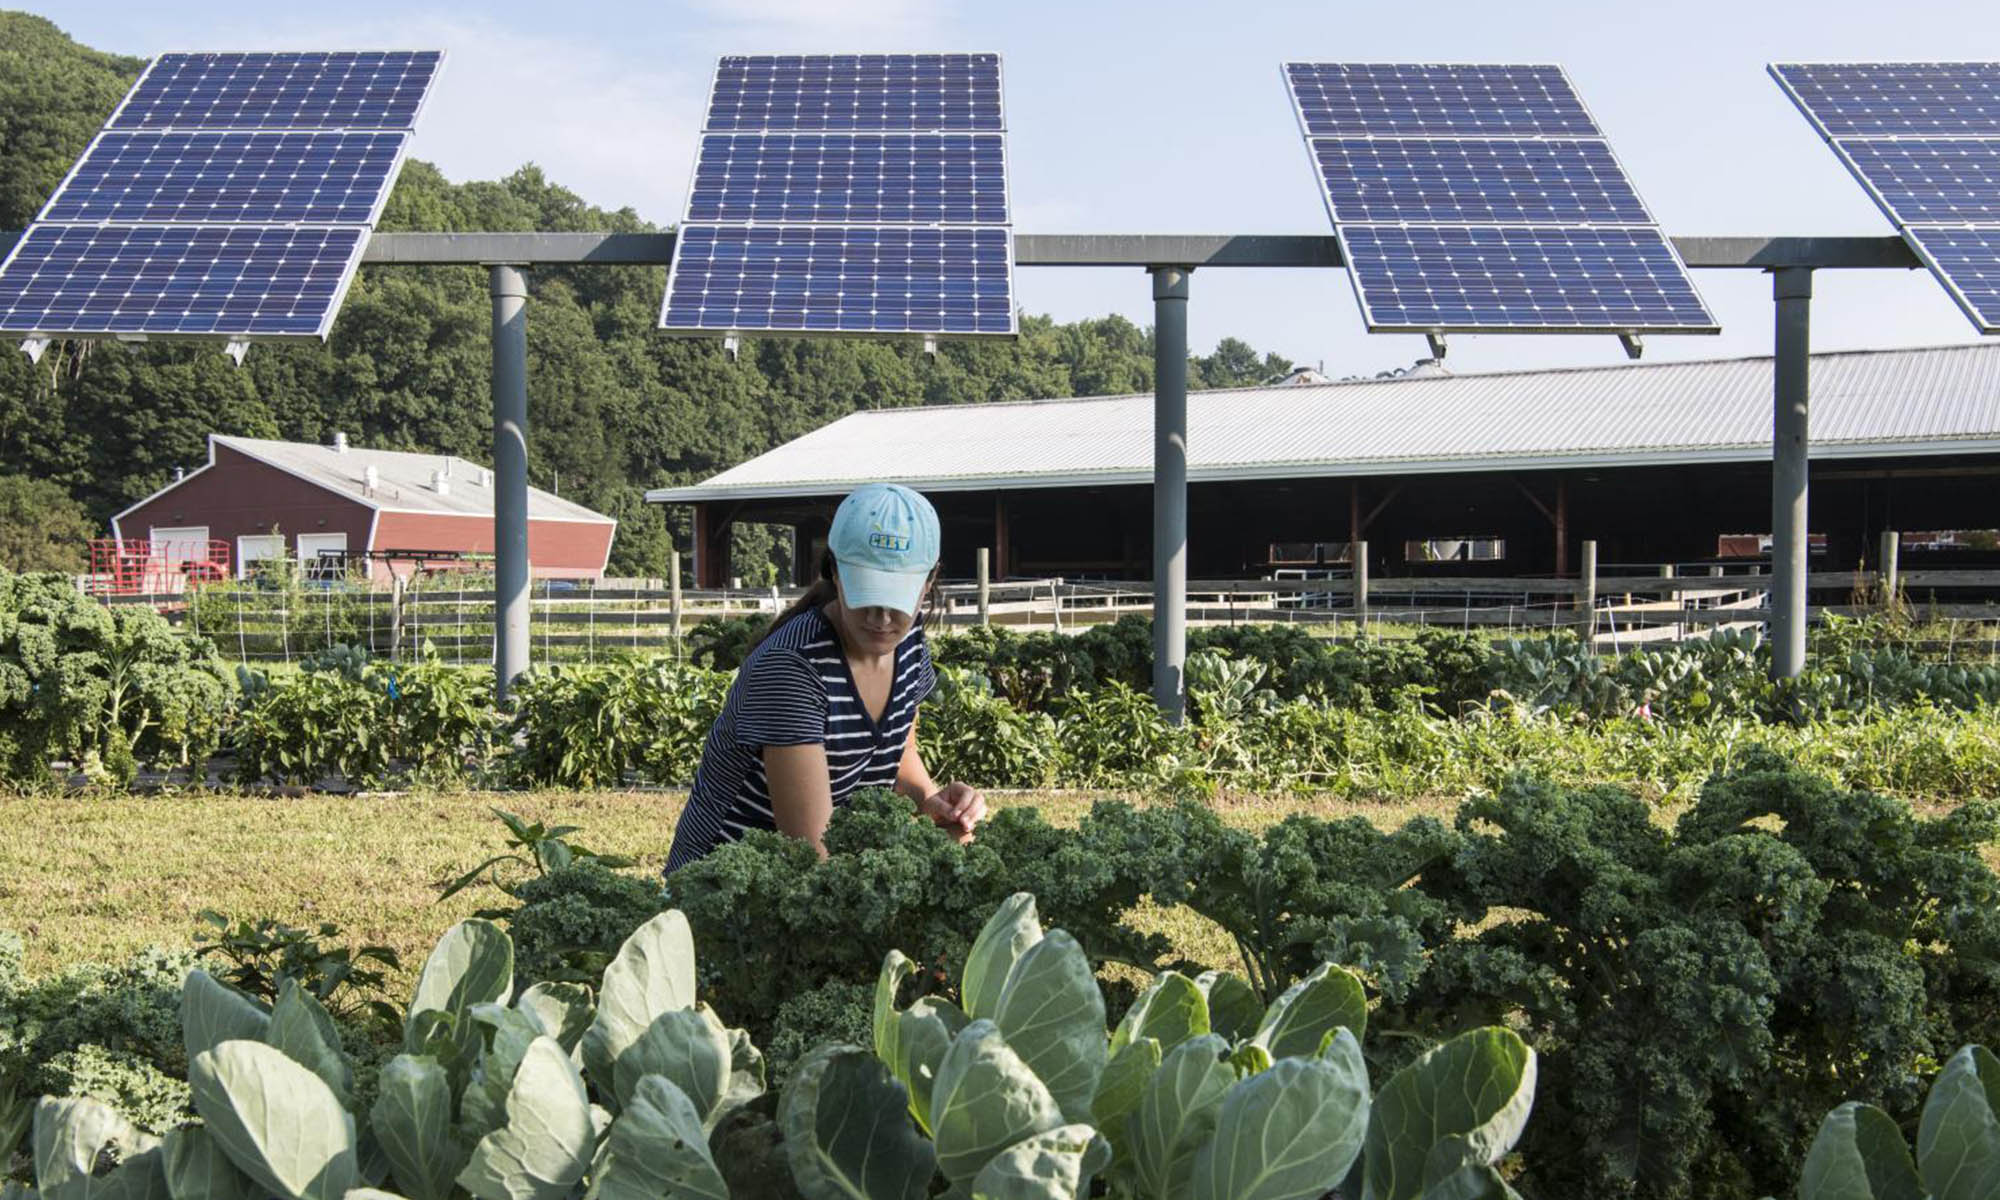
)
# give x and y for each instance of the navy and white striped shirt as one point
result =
(796, 689)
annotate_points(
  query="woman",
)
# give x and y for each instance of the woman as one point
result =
(826, 703)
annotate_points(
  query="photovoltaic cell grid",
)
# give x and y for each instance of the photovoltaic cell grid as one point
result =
(848, 194)
(230, 196)
(1924, 140)
(1485, 198)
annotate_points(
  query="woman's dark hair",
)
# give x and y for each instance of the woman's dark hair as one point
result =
(816, 596)
(823, 591)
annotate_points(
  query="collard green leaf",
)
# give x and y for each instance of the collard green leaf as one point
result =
(847, 1130)
(1051, 1012)
(1299, 1021)
(197, 1169)
(896, 967)
(657, 1149)
(1171, 1010)
(563, 1009)
(924, 1034)
(653, 973)
(213, 1013)
(746, 1072)
(984, 1100)
(1958, 1138)
(504, 1035)
(1289, 1133)
(1234, 1011)
(546, 1144)
(1476, 1090)
(69, 1136)
(473, 963)
(1859, 1154)
(413, 1127)
(1176, 1115)
(278, 1122)
(1057, 1165)
(302, 1029)
(1006, 936)
(688, 1048)
(1120, 1088)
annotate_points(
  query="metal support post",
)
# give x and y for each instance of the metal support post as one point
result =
(985, 586)
(1170, 297)
(1791, 288)
(510, 475)
(1892, 545)
(1587, 597)
(1359, 555)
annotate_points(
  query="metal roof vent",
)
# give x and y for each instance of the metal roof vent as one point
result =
(339, 442)
(371, 478)
(441, 483)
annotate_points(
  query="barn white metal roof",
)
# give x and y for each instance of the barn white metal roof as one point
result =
(1935, 400)
(404, 481)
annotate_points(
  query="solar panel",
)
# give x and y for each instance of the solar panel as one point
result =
(853, 92)
(1484, 198)
(269, 178)
(835, 279)
(230, 196)
(1896, 99)
(185, 280)
(860, 178)
(1454, 181)
(848, 194)
(1436, 100)
(331, 90)
(1482, 277)
(1968, 262)
(1924, 139)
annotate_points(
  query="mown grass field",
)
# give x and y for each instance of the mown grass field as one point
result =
(91, 879)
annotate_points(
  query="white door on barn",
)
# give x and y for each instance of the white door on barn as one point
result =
(178, 543)
(252, 549)
(311, 565)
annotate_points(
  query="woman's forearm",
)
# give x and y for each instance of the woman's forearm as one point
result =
(912, 778)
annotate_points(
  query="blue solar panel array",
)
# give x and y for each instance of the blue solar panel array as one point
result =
(1484, 198)
(230, 195)
(848, 194)
(1924, 139)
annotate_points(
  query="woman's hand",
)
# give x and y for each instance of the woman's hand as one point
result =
(957, 809)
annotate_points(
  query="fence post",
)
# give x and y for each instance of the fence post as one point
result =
(1892, 545)
(674, 595)
(1360, 556)
(395, 616)
(1674, 598)
(985, 586)
(1588, 599)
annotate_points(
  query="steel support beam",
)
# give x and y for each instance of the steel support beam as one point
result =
(1193, 251)
(510, 475)
(1170, 373)
(1791, 287)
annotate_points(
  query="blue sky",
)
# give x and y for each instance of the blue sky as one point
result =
(1170, 118)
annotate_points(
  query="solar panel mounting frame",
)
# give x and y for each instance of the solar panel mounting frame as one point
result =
(1597, 134)
(1988, 324)
(730, 336)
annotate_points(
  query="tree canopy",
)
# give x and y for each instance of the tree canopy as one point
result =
(615, 406)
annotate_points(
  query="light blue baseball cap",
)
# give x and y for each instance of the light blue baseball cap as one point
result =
(885, 542)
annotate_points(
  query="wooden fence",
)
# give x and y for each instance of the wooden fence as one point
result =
(585, 619)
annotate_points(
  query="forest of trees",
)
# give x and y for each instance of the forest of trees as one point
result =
(615, 406)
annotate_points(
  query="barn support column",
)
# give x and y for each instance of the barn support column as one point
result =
(509, 287)
(712, 535)
(1791, 288)
(1003, 551)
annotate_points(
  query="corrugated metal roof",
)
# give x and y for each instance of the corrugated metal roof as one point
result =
(403, 479)
(1934, 400)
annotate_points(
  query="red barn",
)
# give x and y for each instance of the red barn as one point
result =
(265, 499)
